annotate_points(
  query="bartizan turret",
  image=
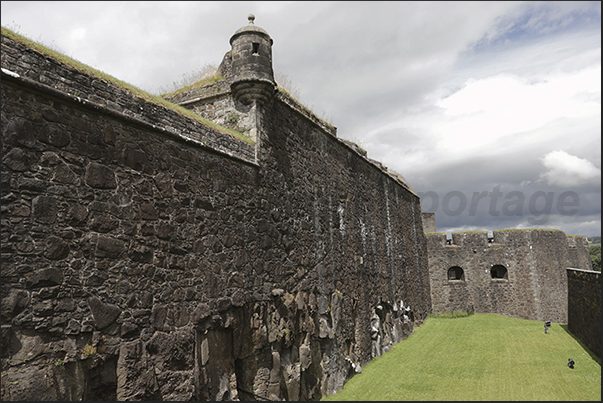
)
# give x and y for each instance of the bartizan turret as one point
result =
(253, 77)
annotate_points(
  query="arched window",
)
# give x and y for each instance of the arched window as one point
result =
(498, 271)
(456, 273)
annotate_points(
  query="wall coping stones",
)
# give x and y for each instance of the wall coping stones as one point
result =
(14, 78)
(26, 66)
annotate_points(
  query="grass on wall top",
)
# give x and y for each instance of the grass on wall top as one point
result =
(209, 79)
(68, 61)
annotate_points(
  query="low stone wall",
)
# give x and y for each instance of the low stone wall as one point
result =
(584, 307)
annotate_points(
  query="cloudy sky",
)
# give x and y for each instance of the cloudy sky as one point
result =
(490, 110)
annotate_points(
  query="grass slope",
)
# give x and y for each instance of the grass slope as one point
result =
(480, 357)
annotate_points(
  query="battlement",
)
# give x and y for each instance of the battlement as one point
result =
(499, 237)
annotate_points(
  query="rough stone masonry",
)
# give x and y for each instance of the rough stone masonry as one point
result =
(149, 256)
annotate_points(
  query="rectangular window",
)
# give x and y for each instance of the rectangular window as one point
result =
(256, 48)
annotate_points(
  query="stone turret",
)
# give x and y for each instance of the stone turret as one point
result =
(253, 77)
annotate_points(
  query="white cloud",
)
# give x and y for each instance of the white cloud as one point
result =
(78, 34)
(485, 110)
(564, 170)
(502, 114)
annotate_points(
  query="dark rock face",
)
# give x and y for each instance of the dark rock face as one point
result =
(148, 257)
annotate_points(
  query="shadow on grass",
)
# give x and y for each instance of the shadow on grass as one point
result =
(592, 355)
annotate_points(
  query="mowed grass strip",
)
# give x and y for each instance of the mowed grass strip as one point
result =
(480, 357)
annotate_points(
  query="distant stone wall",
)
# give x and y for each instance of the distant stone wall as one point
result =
(429, 222)
(146, 256)
(534, 285)
(584, 307)
(578, 244)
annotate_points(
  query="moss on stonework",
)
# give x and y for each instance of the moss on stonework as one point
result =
(305, 109)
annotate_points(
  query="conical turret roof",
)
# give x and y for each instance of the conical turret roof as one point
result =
(250, 28)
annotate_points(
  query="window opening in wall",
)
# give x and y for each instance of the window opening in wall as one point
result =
(448, 238)
(456, 273)
(256, 48)
(498, 271)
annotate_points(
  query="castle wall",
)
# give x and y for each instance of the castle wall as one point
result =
(584, 307)
(147, 256)
(429, 223)
(577, 258)
(535, 286)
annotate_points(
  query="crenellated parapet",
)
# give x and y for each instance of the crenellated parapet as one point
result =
(222, 243)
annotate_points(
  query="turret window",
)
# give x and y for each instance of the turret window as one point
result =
(256, 48)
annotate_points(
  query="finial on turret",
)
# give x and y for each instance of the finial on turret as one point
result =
(251, 17)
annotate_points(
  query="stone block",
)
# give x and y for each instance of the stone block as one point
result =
(104, 314)
(47, 277)
(45, 209)
(109, 247)
(100, 176)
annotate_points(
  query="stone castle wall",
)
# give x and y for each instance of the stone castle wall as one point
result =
(579, 254)
(148, 256)
(534, 286)
(429, 223)
(584, 307)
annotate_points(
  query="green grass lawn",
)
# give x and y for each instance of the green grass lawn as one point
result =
(480, 357)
